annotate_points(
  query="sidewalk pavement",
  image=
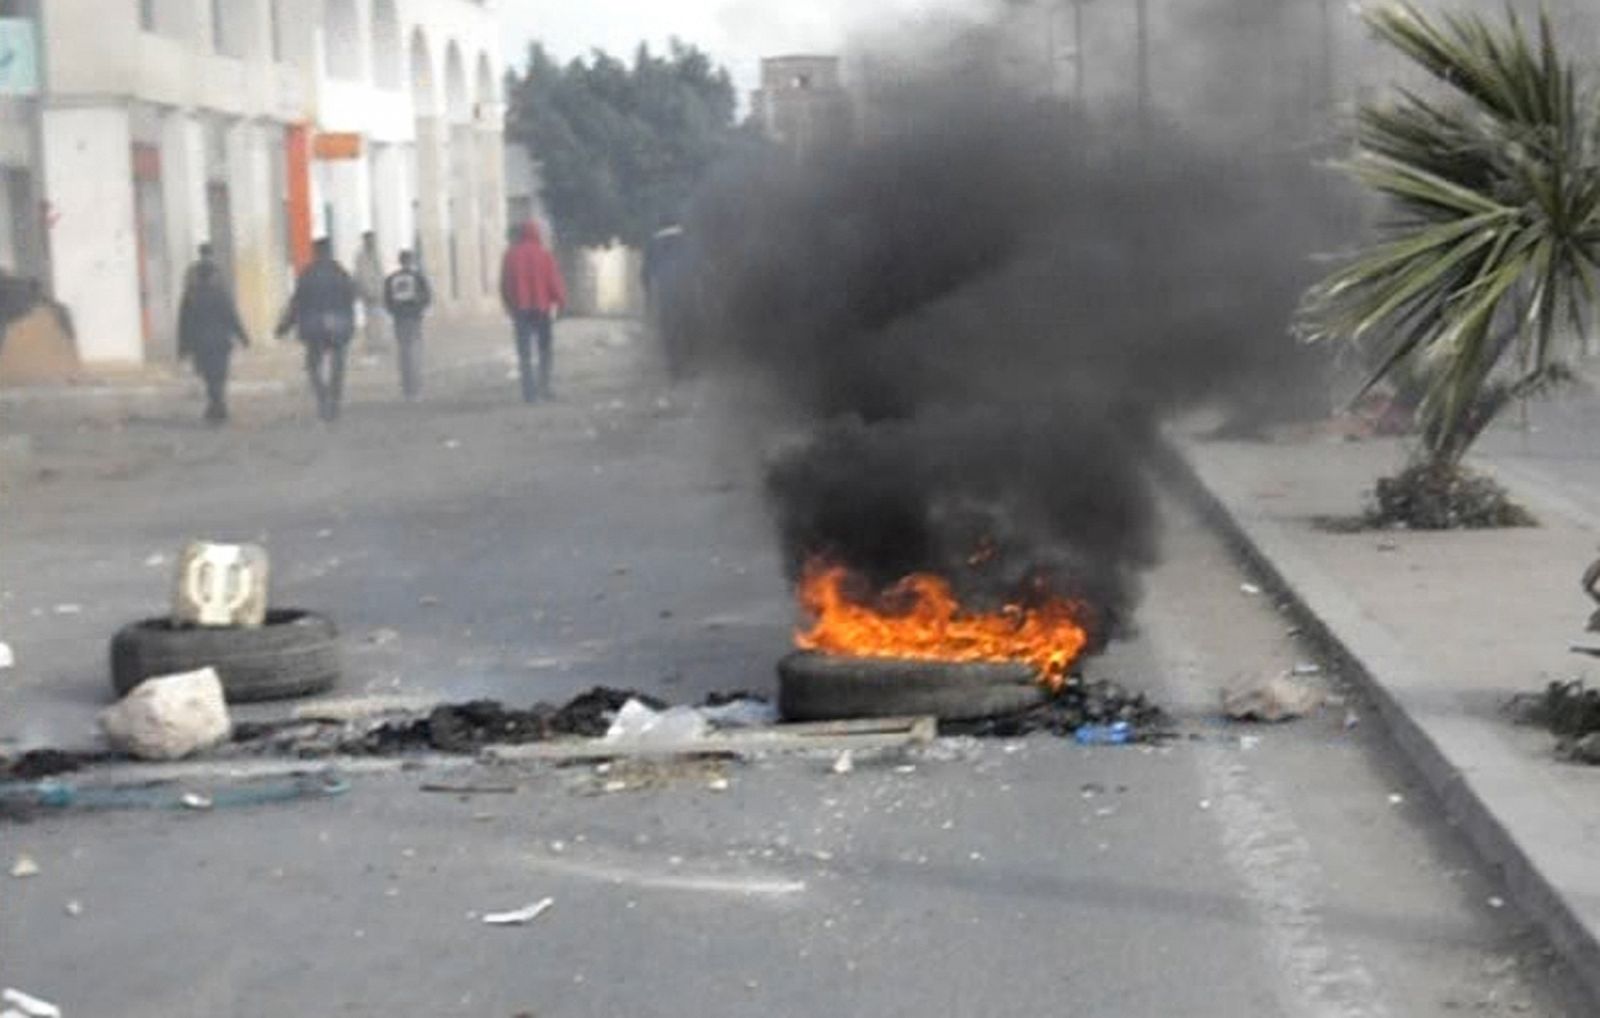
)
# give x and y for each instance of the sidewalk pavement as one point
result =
(1442, 629)
(269, 366)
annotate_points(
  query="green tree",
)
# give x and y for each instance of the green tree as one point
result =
(1487, 256)
(621, 146)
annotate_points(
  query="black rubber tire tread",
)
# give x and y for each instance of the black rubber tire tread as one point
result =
(823, 687)
(295, 654)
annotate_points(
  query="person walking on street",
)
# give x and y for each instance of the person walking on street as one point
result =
(322, 312)
(665, 285)
(533, 292)
(208, 326)
(205, 256)
(406, 296)
(369, 287)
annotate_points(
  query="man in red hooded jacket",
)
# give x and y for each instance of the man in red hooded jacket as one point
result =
(533, 292)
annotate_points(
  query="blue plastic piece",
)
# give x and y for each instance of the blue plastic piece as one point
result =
(1118, 733)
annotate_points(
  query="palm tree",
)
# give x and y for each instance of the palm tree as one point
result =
(1492, 238)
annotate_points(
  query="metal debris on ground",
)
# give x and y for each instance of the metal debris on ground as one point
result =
(521, 916)
(1277, 699)
(27, 1005)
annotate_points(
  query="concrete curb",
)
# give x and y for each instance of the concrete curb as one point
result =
(1489, 792)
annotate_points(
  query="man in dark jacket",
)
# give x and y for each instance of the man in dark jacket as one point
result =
(665, 291)
(406, 296)
(533, 292)
(208, 326)
(323, 313)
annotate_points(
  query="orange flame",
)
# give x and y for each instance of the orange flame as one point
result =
(920, 618)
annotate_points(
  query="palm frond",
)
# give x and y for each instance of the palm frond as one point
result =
(1491, 181)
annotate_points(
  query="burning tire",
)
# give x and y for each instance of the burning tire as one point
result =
(825, 687)
(296, 653)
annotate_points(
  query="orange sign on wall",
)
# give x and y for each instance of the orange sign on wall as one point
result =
(337, 145)
(297, 153)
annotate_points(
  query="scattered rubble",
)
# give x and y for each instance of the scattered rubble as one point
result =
(46, 763)
(1570, 711)
(170, 717)
(1427, 497)
(1081, 702)
(1278, 699)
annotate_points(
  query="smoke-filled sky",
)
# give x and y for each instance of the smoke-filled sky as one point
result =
(736, 32)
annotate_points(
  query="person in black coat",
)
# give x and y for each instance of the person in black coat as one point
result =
(208, 326)
(322, 312)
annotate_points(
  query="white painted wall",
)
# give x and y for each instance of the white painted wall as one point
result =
(95, 261)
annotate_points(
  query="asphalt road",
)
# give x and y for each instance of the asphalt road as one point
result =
(529, 552)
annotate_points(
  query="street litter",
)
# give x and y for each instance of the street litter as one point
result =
(845, 763)
(1249, 588)
(1396, 799)
(24, 867)
(521, 916)
(69, 609)
(1277, 699)
(192, 800)
(169, 717)
(639, 725)
(741, 712)
(1307, 668)
(470, 789)
(28, 1005)
(7, 658)
(74, 908)
(1118, 733)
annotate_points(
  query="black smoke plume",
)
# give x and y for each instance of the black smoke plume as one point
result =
(962, 333)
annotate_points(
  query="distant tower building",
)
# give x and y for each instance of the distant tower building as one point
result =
(802, 102)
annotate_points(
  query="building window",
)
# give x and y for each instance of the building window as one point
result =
(147, 15)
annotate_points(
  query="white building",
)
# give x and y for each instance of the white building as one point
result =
(256, 125)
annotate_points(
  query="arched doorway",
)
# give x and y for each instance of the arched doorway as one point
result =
(388, 64)
(491, 172)
(427, 185)
(460, 214)
(341, 40)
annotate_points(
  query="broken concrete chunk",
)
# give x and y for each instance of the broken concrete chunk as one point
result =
(1278, 699)
(169, 718)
